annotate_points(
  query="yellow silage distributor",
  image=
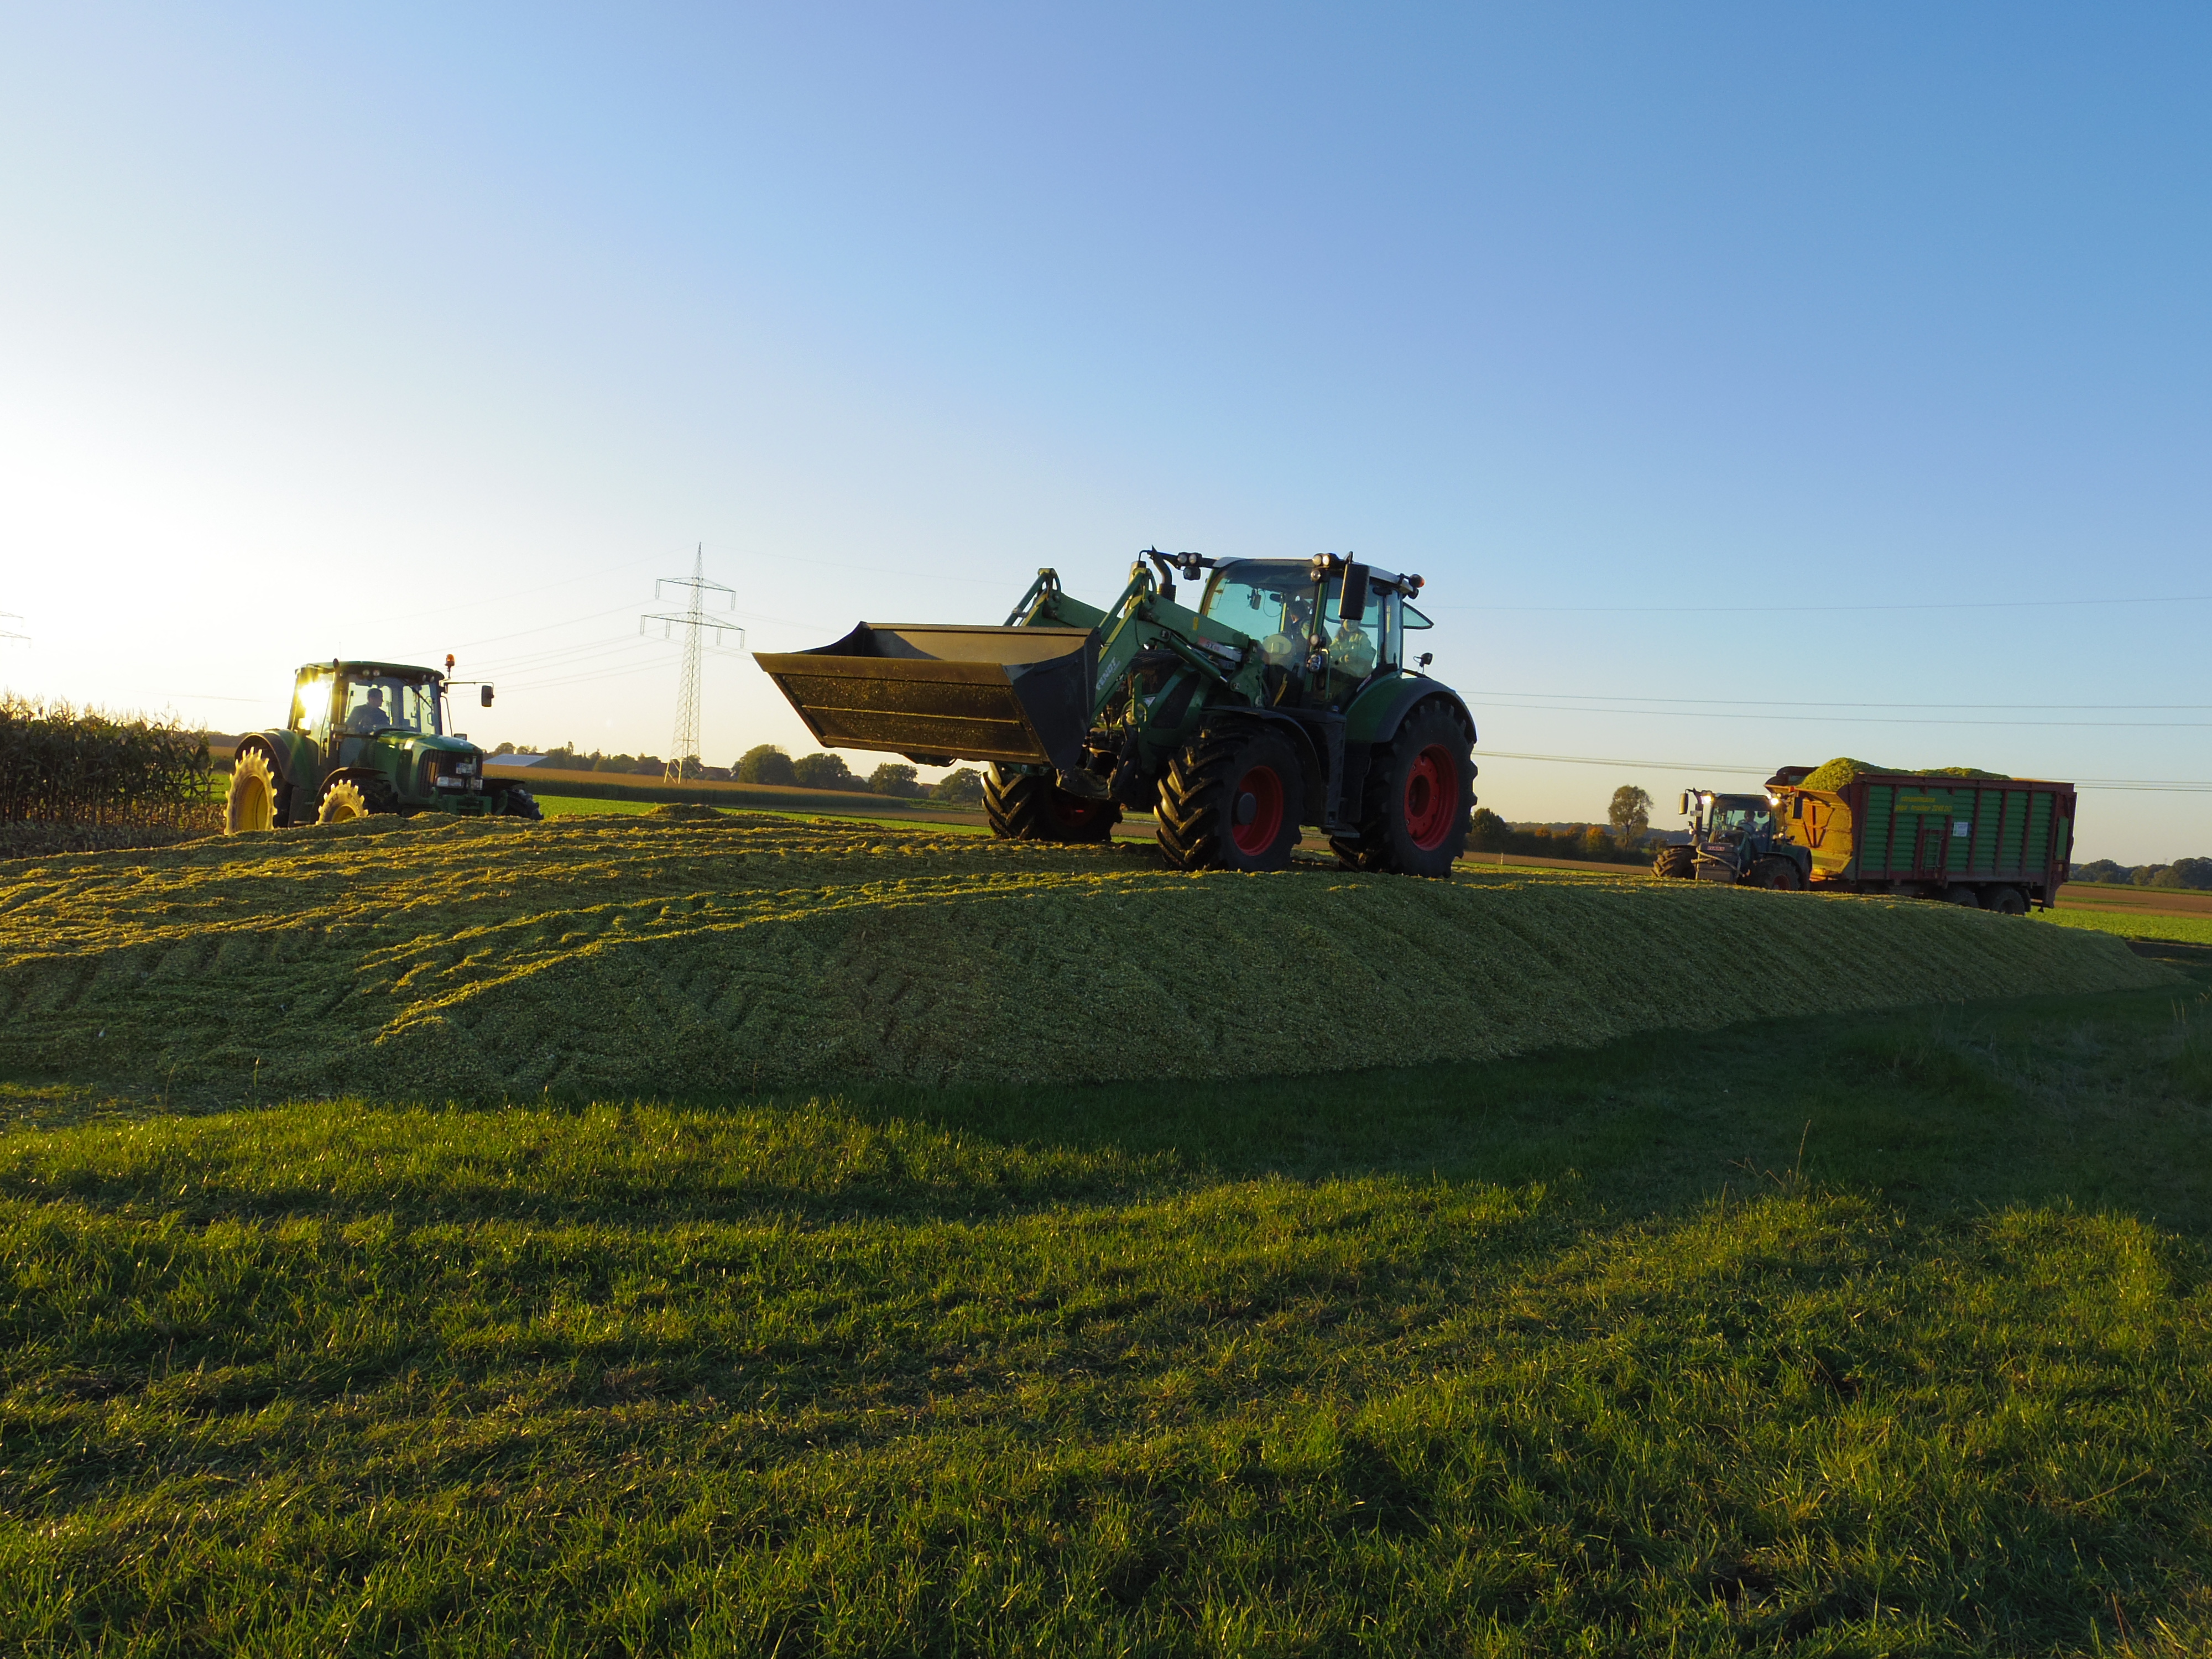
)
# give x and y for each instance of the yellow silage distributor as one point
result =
(627, 957)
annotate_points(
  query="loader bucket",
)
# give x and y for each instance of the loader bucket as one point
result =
(1020, 694)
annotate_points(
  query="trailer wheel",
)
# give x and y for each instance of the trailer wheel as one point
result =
(1231, 801)
(1419, 796)
(1963, 895)
(1777, 875)
(1024, 808)
(2006, 902)
(1678, 863)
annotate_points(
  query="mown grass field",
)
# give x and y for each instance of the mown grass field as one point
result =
(1874, 1329)
(1879, 1334)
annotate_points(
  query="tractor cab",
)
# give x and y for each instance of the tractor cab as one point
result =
(1324, 627)
(1728, 819)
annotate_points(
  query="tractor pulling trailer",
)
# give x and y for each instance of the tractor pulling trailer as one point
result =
(1997, 843)
(1283, 698)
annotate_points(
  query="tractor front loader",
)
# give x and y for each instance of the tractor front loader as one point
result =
(1282, 700)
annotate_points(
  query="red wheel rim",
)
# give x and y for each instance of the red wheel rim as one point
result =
(1257, 834)
(1432, 792)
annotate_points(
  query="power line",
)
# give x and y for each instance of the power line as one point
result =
(1771, 702)
(1773, 610)
(1854, 720)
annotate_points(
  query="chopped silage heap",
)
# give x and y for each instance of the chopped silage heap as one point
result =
(1838, 773)
(620, 957)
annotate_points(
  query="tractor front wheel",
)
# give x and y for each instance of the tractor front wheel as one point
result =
(1419, 795)
(345, 800)
(1025, 808)
(1231, 801)
(1777, 875)
(254, 794)
(1677, 863)
(521, 803)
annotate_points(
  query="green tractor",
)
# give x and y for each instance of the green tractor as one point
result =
(1284, 698)
(1738, 840)
(366, 738)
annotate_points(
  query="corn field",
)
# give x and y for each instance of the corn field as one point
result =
(63, 767)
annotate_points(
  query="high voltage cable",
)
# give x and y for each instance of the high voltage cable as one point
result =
(1856, 719)
(1623, 696)
(1774, 609)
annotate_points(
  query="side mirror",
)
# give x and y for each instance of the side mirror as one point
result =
(1351, 600)
(1427, 656)
(1686, 803)
(483, 697)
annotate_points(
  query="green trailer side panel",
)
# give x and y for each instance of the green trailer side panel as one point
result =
(2015, 830)
(1988, 808)
(1873, 842)
(2038, 833)
(2065, 839)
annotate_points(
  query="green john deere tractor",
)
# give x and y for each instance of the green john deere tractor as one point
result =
(366, 738)
(1282, 699)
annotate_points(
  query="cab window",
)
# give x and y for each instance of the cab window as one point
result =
(311, 700)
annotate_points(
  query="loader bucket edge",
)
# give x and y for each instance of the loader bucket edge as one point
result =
(1020, 696)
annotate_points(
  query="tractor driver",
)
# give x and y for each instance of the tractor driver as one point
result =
(1288, 648)
(1353, 651)
(370, 716)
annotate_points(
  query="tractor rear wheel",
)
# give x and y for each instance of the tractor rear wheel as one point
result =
(1418, 796)
(1777, 875)
(345, 800)
(1025, 808)
(1675, 863)
(1231, 801)
(254, 794)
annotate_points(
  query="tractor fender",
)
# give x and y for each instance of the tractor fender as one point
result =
(1376, 713)
(275, 744)
(1310, 760)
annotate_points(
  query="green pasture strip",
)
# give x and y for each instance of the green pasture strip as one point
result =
(2133, 924)
(1872, 1334)
(627, 956)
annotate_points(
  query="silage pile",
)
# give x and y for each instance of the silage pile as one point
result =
(621, 958)
(1839, 772)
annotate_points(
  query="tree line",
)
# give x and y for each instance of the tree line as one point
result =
(2192, 874)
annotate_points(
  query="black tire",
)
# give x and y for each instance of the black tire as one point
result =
(1677, 863)
(1776, 875)
(1231, 801)
(521, 803)
(1963, 895)
(1419, 794)
(2006, 901)
(1023, 808)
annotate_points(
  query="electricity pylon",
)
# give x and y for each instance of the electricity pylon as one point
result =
(695, 624)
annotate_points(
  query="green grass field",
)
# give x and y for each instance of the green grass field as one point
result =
(1877, 1329)
(1879, 1333)
(2127, 924)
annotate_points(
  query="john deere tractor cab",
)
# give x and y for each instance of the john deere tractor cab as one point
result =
(1282, 699)
(1735, 839)
(365, 737)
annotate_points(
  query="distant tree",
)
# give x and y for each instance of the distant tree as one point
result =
(894, 778)
(962, 786)
(821, 771)
(2102, 869)
(1596, 844)
(2147, 875)
(2195, 873)
(1629, 814)
(504, 748)
(1487, 832)
(765, 763)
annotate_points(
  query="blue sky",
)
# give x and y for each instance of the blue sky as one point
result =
(1650, 335)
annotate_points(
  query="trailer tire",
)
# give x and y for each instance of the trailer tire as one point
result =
(2005, 901)
(1776, 875)
(1230, 801)
(1677, 863)
(1963, 895)
(1024, 808)
(1418, 798)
